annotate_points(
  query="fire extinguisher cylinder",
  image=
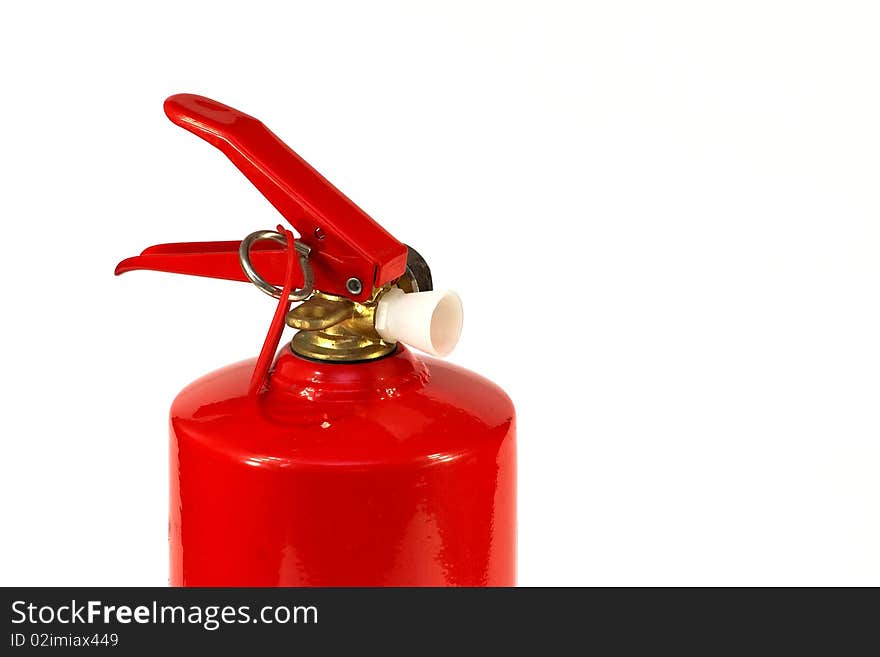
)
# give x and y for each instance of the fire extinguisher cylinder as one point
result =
(344, 458)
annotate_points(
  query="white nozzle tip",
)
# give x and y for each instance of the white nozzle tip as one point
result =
(428, 321)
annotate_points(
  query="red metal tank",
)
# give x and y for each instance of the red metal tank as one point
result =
(393, 472)
(349, 460)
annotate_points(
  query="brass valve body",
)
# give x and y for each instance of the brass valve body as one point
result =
(337, 329)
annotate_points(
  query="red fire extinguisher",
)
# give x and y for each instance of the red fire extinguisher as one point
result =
(345, 459)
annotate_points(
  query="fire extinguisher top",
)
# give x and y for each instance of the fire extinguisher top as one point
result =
(363, 290)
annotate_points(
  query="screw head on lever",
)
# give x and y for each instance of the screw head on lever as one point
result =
(354, 286)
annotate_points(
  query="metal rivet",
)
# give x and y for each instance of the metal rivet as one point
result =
(319, 234)
(354, 285)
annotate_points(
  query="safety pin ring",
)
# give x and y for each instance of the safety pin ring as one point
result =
(302, 251)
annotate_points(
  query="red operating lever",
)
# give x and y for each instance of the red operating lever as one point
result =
(345, 242)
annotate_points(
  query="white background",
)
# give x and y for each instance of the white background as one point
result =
(662, 218)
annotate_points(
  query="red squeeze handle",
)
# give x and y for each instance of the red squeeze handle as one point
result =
(345, 242)
(215, 260)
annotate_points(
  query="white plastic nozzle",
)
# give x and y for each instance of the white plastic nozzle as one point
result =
(428, 321)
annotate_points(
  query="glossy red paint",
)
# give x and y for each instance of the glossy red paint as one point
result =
(399, 471)
(394, 472)
(345, 240)
(213, 260)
